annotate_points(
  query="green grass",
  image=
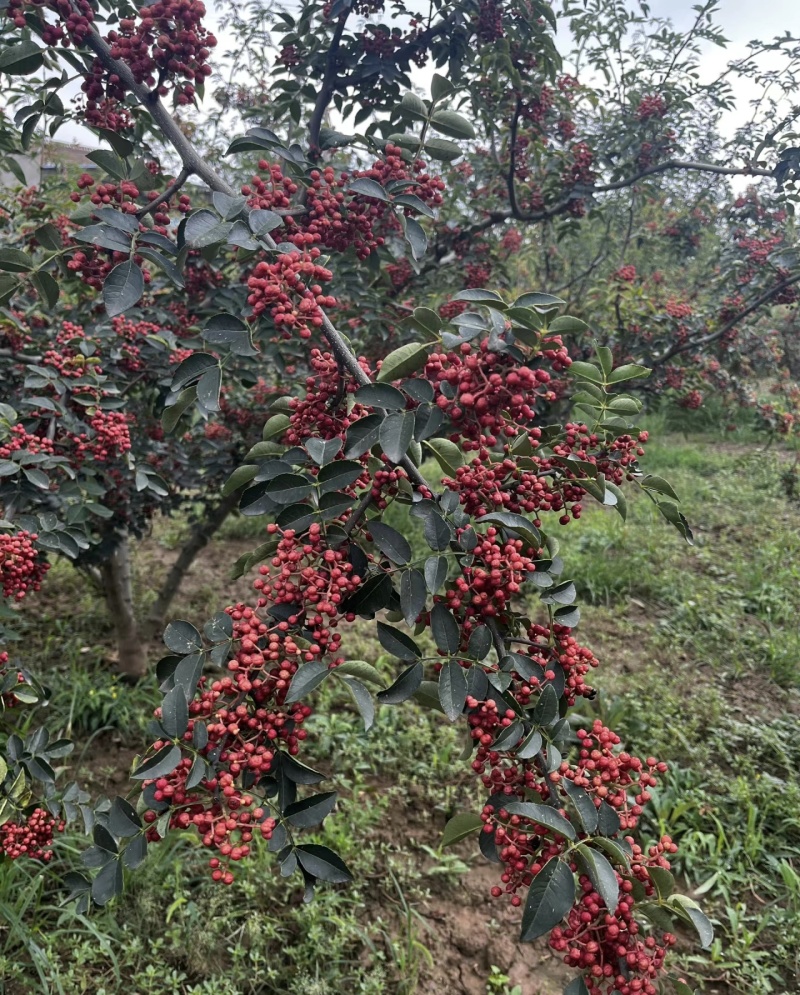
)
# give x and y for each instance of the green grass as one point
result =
(700, 665)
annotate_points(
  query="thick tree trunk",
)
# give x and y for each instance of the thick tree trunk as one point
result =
(201, 534)
(118, 587)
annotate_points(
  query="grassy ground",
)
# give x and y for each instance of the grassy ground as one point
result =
(700, 655)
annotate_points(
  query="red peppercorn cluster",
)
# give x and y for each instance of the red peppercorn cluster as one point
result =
(131, 333)
(31, 836)
(246, 724)
(617, 778)
(289, 287)
(691, 400)
(77, 17)
(335, 217)
(19, 439)
(489, 26)
(653, 106)
(493, 394)
(560, 647)
(169, 46)
(489, 483)
(627, 274)
(21, 567)
(323, 410)
(309, 576)
(678, 309)
(599, 941)
(111, 438)
(494, 578)
(579, 169)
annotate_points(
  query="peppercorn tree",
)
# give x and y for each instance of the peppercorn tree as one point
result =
(482, 621)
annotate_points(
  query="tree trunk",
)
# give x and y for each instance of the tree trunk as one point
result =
(199, 538)
(118, 587)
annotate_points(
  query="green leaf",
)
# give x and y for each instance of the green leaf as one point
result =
(445, 629)
(322, 452)
(49, 237)
(413, 595)
(275, 426)
(517, 524)
(620, 501)
(584, 806)
(362, 435)
(544, 301)
(208, 388)
(191, 369)
(321, 862)
(123, 288)
(587, 371)
(9, 285)
(241, 475)
(404, 686)
(452, 689)
(160, 764)
(166, 265)
(390, 542)
(108, 883)
(601, 874)
(361, 669)
(447, 454)
(543, 815)
(363, 700)
(381, 395)
(546, 710)
(173, 414)
(417, 239)
(307, 677)
(441, 87)
(175, 713)
(397, 643)
(395, 434)
(15, 261)
(436, 570)
(182, 637)
(204, 228)
(404, 361)
(310, 812)
(576, 987)
(663, 880)
(691, 911)
(123, 820)
(22, 59)
(442, 150)
(110, 163)
(453, 124)
(368, 188)
(437, 532)
(262, 221)
(460, 826)
(628, 372)
(565, 324)
(650, 482)
(550, 897)
(414, 106)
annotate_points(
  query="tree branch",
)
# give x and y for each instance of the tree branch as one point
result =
(512, 158)
(328, 84)
(763, 298)
(172, 189)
